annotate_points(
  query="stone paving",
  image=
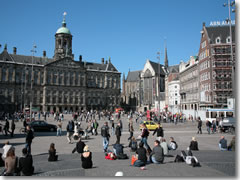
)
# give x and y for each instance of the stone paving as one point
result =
(214, 163)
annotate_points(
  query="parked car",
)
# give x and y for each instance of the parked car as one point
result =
(42, 126)
(228, 124)
(150, 125)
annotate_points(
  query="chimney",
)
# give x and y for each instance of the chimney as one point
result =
(106, 62)
(109, 60)
(14, 50)
(102, 60)
(80, 58)
(44, 54)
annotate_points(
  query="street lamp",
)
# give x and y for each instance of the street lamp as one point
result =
(31, 102)
(231, 4)
(158, 57)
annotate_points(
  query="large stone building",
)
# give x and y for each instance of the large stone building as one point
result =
(59, 83)
(189, 89)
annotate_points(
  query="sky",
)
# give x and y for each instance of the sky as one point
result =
(127, 31)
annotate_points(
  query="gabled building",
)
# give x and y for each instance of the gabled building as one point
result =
(216, 66)
(131, 91)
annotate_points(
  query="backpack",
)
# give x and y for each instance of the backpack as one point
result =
(122, 156)
(179, 159)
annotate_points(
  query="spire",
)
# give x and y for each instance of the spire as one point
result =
(166, 57)
(64, 19)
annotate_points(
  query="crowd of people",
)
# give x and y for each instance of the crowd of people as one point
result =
(144, 153)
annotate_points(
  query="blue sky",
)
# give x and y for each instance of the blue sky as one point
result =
(128, 31)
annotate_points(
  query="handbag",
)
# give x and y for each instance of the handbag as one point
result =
(134, 158)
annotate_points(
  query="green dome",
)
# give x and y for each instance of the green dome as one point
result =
(63, 30)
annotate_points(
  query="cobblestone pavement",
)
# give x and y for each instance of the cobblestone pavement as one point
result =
(214, 163)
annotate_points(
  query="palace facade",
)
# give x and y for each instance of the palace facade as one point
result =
(59, 83)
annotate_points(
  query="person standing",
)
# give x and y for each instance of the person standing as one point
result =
(105, 134)
(208, 124)
(6, 127)
(118, 133)
(12, 128)
(70, 131)
(29, 138)
(95, 126)
(59, 128)
(159, 131)
(199, 126)
(130, 126)
(144, 135)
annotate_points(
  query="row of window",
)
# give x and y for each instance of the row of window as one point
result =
(205, 76)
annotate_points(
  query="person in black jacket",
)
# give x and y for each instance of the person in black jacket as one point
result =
(12, 128)
(142, 156)
(199, 125)
(79, 146)
(29, 138)
(26, 164)
(118, 133)
(159, 131)
(193, 145)
(144, 135)
(52, 153)
(86, 158)
(105, 134)
(6, 127)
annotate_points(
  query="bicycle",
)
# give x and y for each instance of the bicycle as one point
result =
(22, 130)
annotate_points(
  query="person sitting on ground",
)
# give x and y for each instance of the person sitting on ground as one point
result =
(6, 147)
(79, 146)
(231, 146)
(142, 156)
(164, 145)
(86, 158)
(133, 144)
(157, 155)
(172, 145)
(118, 149)
(10, 163)
(223, 144)
(193, 145)
(26, 164)
(52, 153)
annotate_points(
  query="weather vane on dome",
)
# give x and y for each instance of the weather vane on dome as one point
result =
(64, 15)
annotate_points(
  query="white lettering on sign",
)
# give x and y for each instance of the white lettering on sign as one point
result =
(221, 23)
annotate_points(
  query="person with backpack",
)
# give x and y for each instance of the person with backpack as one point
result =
(70, 131)
(172, 145)
(105, 134)
(144, 136)
(133, 144)
(29, 138)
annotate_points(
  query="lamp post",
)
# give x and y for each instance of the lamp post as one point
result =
(158, 57)
(31, 101)
(231, 4)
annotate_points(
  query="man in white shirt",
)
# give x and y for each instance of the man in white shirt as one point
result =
(6, 147)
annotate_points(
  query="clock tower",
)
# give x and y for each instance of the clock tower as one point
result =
(63, 41)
